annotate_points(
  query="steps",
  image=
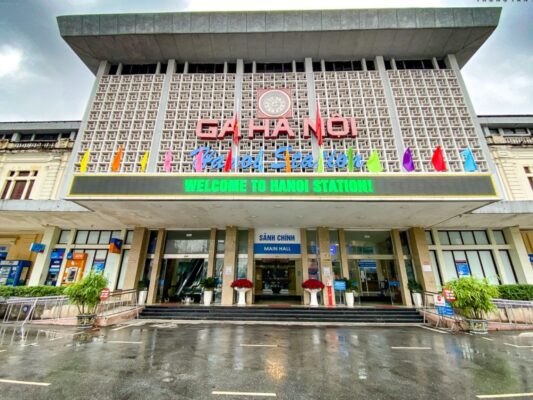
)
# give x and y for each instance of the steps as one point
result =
(381, 315)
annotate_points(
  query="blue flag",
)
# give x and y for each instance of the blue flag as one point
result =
(469, 162)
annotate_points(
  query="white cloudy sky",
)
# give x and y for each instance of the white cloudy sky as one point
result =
(42, 79)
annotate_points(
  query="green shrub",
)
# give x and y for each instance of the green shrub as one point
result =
(474, 296)
(85, 294)
(414, 286)
(208, 283)
(30, 291)
(516, 292)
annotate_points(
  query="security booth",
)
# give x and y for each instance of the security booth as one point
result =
(14, 272)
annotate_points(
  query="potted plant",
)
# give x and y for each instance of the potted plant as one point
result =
(143, 292)
(351, 291)
(242, 286)
(209, 284)
(416, 292)
(313, 286)
(473, 297)
(85, 294)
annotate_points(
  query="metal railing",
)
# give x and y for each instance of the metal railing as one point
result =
(117, 302)
(26, 309)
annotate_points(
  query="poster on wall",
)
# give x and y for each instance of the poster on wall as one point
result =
(462, 268)
(98, 266)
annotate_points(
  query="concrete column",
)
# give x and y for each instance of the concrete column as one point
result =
(250, 266)
(343, 255)
(451, 61)
(160, 120)
(401, 271)
(103, 69)
(112, 270)
(212, 256)
(391, 105)
(311, 100)
(42, 261)
(420, 255)
(305, 263)
(137, 258)
(229, 268)
(326, 268)
(519, 255)
(156, 266)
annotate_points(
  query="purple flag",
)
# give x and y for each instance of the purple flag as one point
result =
(168, 161)
(408, 163)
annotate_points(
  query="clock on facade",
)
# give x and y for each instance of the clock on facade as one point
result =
(274, 103)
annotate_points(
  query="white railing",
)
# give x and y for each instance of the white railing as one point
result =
(26, 309)
(117, 302)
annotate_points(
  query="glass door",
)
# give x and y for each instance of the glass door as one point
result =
(181, 280)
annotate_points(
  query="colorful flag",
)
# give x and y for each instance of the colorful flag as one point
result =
(350, 159)
(168, 161)
(144, 161)
(287, 161)
(358, 161)
(236, 130)
(227, 165)
(199, 161)
(373, 164)
(320, 167)
(318, 126)
(115, 165)
(438, 160)
(469, 162)
(408, 163)
(84, 161)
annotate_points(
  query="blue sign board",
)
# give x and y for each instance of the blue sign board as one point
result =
(531, 258)
(446, 311)
(367, 264)
(462, 268)
(275, 248)
(339, 286)
(394, 283)
(37, 247)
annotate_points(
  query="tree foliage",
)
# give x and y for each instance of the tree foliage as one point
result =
(85, 294)
(474, 296)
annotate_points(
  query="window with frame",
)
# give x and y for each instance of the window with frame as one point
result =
(18, 185)
(529, 175)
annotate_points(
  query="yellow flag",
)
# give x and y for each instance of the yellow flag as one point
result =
(84, 161)
(144, 161)
(287, 161)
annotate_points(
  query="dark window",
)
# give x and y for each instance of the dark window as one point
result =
(18, 190)
(163, 68)
(206, 68)
(138, 69)
(388, 64)
(427, 64)
(248, 68)
(370, 66)
(6, 189)
(47, 136)
(26, 137)
(329, 66)
(441, 63)
(179, 68)
(300, 67)
(113, 69)
(28, 191)
(317, 67)
(273, 67)
(232, 68)
(219, 68)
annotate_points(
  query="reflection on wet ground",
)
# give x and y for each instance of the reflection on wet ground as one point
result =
(166, 360)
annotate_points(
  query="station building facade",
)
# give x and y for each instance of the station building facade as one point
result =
(282, 146)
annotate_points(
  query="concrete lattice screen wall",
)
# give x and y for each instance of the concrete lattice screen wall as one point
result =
(358, 94)
(432, 111)
(429, 103)
(193, 97)
(123, 113)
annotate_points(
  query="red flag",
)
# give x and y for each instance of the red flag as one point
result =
(318, 126)
(227, 166)
(438, 160)
(236, 129)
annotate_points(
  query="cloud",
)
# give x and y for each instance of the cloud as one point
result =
(10, 60)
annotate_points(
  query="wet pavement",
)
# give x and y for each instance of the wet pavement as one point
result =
(165, 360)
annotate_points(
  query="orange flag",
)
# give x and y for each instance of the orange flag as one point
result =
(287, 161)
(115, 165)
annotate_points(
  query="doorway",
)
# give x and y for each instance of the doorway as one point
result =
(377, 280)
(180, 280)
(275, 282)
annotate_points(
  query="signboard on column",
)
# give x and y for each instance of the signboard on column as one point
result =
(277, 241)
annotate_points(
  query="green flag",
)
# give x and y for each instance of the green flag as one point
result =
(320, 167)
(373, 164)
(350, 159)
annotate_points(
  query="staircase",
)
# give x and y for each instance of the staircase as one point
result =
(381, 315)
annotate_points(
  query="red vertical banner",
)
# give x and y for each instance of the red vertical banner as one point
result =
(330, 295)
